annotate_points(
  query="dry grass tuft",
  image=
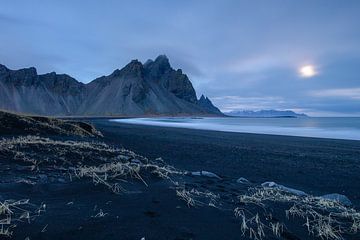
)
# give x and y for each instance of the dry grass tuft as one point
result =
(111, 167)
(105, 165)
(109, 174)
(39, 152)
(194, 197)
(325, 219)
(254, 227)
(14, 211)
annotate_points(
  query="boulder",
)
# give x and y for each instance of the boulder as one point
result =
(283, 188)
(205, 174)
(243, 180)
(344, 200)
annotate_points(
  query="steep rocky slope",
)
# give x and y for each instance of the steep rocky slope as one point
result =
(207, 104)
(137, 89)
(51, 94)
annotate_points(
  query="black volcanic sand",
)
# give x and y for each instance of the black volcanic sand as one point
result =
(155, 213)
(316, 166)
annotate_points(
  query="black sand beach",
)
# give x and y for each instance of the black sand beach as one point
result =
(314, 165)
(149, 204)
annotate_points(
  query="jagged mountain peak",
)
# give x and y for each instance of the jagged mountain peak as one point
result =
(57, 78)
(206, 103)
(133, 69)
(133, 65)
(149, 61)
(163, 62)
(205, 99)
(28, 71)
(161, 72)
(3, 67)
(159, 66)
(136, 89)
(162, 59)
(134, 62)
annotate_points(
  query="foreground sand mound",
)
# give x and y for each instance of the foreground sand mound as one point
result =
(87, 185)
(15, 124)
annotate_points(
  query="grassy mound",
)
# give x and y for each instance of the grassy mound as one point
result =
(15, 124)
(259, 212)
(34, 160)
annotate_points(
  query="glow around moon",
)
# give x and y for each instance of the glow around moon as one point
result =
(307, 71)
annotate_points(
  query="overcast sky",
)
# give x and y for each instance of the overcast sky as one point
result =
(241, 54)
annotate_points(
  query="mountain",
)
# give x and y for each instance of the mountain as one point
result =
(208, 105)
(265, 113)
(153, 88)
(51, 94)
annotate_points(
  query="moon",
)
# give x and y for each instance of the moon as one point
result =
(307, 71)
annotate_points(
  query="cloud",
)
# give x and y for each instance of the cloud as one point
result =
(243, 53)
(5, 19)
(350, 93)
(261, 63)
(255, 64)
(229, 103)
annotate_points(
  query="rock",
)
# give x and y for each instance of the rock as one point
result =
(208, 105)
(174, 81)
(136, 89)
(242, 180)
(283, 188)
(205, 174)
(338, 198)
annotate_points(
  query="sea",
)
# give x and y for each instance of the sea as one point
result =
(321, 127)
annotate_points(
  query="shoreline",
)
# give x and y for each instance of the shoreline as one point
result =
(114, 184)
(256, 131)
(298, 162)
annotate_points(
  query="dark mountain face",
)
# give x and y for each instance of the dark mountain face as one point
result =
(137, 89)
(175, 81)
(49, 94)
(207, 104)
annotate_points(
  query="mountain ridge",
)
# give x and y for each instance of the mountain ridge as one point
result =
(137, 89)
(265, 113)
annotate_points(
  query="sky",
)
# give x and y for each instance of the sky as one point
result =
(244, 55)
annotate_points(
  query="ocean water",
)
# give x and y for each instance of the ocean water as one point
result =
(323, 127)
